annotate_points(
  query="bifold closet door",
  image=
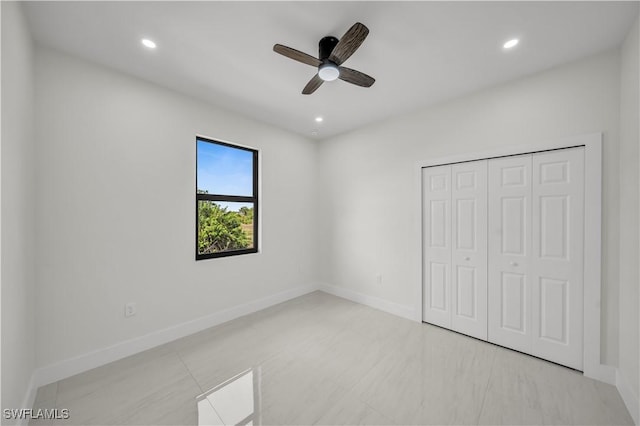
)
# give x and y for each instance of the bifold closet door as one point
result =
(509, 283)
(558, 256)
(455, 247)
(436, 240)
(469, 248)
(536, 238)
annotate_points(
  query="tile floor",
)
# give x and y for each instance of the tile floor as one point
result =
(319, 359)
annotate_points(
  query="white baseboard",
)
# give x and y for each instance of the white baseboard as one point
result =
(631, 400)
(372, 301)
(70, 367)
(601, 372)
(29, 399)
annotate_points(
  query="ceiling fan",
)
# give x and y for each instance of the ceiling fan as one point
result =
(332, 53)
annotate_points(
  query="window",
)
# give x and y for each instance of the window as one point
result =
(226, 199)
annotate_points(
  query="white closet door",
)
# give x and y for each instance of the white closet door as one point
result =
(436, 240)
(557, 256)
(509, 240)
(469, 248)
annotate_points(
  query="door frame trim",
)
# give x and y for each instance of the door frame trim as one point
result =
(592, 143)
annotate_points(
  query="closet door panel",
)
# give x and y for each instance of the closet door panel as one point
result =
(503, 244)
(557, 255)
(469, 248)
(436, 240)
(509, 247)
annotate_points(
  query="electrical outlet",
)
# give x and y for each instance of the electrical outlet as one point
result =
(130, 309)
(379, 279)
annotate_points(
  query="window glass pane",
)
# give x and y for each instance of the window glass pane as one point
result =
(224, 226)
(224, 170)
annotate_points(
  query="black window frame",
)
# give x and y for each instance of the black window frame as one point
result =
(229, 198)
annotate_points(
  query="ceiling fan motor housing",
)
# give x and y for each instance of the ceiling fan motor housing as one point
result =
(326, 46)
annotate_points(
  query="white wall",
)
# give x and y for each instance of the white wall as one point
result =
(115, 204)
(18, 207)
(116, 209)
(369, 176)
(629, 214)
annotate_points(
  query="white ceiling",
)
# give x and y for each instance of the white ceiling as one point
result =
(420, 53)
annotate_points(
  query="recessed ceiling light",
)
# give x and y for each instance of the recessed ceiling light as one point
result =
(148, 43)
(511, 43)
(319, 119)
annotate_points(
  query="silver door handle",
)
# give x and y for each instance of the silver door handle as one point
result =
(467, 258)
(514, 263)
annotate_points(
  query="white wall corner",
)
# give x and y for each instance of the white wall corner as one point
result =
(631, 400)
(372, 301)
(70, 367)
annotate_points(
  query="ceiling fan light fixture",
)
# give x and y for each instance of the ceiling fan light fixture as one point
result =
(328, 72)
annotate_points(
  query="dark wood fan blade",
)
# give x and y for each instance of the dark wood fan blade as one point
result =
(355, 77)
(296, 55)
(349, 43)
(312, 85)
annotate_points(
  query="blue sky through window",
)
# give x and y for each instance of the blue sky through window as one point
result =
(224, 170)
